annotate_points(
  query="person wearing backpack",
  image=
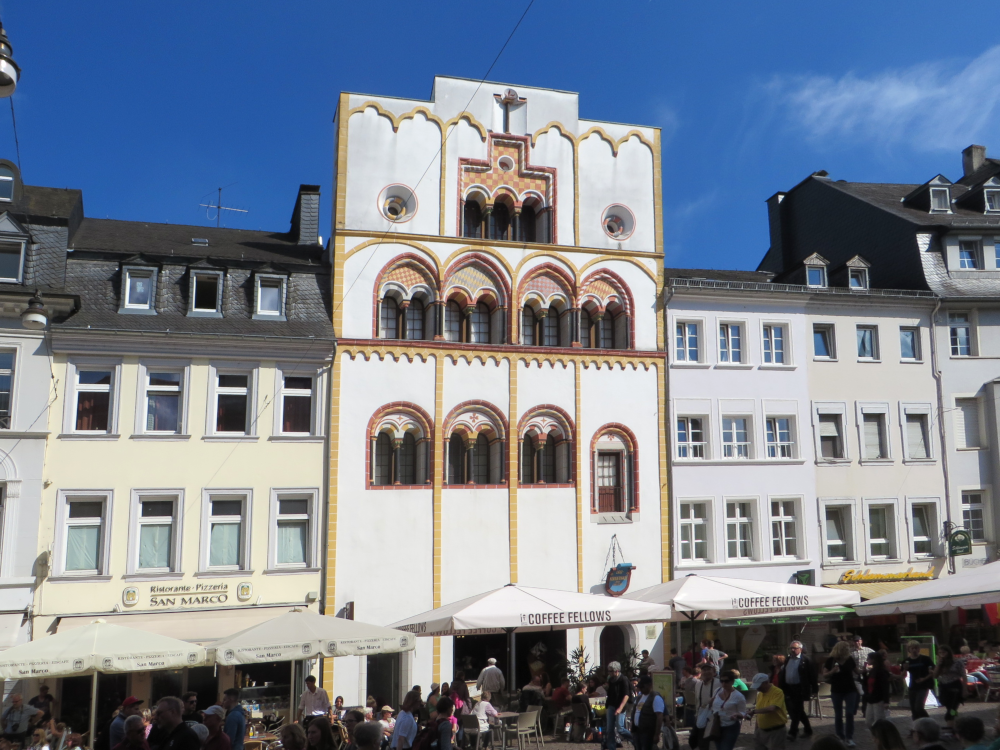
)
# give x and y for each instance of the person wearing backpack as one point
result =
(439, 732)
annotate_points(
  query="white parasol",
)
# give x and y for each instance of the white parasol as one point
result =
(973, 589)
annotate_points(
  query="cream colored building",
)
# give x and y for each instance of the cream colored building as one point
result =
(184, 491)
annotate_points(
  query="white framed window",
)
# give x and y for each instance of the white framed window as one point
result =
(270, 297)
(960, 334)
(225, 542)
(154, 540)
(164, 399)
(7, 360)
(974, 514)
(881, 532)
(206, 293)
(868, 343)
(232, 396)
(693, 529)
(992, 201)
(739, 530)
(735, 437)
(923, 530)
(816, 276)
(687, 336)
(138, 290)
(967, 430)
(909, 344)
(970, 255)
(875, 443)
(297, 398)
(780, 437)
(731, 343)
(824, 341)
(940, 200)
(92, 397)
(838, 533)
(915, 420)
(294, 532)
(858, 278)
(83, 534)
(11, 259)
(828, 420)
(774, 344)
(691, 437)
(784, 528)
(6, 185)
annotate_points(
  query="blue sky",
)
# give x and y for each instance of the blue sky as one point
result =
(148, 107)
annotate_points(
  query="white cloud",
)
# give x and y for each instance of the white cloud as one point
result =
(929, 107)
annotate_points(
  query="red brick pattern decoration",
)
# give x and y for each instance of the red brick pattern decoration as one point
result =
(426, 423)
(417, 265)
(629, 437)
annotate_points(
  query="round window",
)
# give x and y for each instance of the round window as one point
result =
(397, 203)
(618, 222)
(506, 163)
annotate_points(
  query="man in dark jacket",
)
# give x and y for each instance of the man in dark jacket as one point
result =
(799, 681)
(619, 691)
(647, 719)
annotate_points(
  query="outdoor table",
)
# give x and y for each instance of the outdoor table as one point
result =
(505, 717)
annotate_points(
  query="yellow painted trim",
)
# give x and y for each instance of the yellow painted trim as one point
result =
(616, 145)
(547, 254)
(396, 120)
(581, 471)
(396, 240)
(340, 207)
(438, 480)
(471, 120)
(658, 238)
(666, 566)
(554, 125)
(576, 193)
(443, 157)
(483, 250)
(512, 470)
(381, 351)
(603, 258)
(331, 533)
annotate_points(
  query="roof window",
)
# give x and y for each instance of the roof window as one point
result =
(940, 200)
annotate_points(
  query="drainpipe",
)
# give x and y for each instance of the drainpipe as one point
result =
(941, 429)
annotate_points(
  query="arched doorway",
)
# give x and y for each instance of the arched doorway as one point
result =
(612, 645)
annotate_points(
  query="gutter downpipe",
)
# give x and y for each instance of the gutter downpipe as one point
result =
(668, 294)
(935, 370)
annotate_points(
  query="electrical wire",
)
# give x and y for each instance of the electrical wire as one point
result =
(17, 144)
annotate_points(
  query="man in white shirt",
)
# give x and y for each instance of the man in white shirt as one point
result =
(313, 701)
(491, 679)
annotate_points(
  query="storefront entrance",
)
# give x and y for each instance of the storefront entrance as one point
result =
(384, 681)
(612, 645)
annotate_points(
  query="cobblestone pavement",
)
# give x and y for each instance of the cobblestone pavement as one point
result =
(899, 715)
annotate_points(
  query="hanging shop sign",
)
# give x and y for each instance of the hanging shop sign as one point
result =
(618, 579)
(959, 543)
(863, 576)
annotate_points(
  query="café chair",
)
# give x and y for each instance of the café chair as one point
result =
(470, 725)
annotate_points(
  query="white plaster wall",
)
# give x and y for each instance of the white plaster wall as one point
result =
(468, 381)
(475, 548)
(553, 149)
(643, 290)
(545, 384)
(546, 538)
(626, 179)
(377, 157)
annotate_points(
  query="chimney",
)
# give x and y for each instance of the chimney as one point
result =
(973, 158)
(774, 259)
(305, 216)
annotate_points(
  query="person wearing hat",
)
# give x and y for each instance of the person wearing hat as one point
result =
(492, 680)
(131, 706)
(771, 714)
(214, 719)
(387, 722)
(135, 735)
(314, 701)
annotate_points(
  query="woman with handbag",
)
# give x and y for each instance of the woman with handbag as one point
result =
(728, 709)
(704, 692)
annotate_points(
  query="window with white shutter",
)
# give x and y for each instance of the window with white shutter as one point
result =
(874, 433)
(916, 436)
(831, 441)
(967, 423)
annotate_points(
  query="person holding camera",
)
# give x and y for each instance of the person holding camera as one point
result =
(17, 719)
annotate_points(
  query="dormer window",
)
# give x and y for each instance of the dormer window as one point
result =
(138, 290)
(206, 293)
(6, 184)
(992, 201)
(816, 276)
(940, 200)
(969, 255)
(859, 278)
(11, 261)
(270, 297)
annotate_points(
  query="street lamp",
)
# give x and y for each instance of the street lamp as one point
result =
(34, 317)
(9, 72)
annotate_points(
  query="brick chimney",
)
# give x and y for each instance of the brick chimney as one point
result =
(973, 157)
(305, 217)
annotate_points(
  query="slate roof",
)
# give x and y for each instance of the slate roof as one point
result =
(888, 196)
(715, 274)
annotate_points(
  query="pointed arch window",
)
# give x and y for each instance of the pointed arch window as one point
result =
(472, 220)
(415, 320)
(529, 325)
(452, 322)
(383, 460)
(389, 319)
(480, 321)
(500, 222)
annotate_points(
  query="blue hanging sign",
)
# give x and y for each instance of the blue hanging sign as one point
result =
(618, 579)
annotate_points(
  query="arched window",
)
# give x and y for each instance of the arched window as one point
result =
(481, 460)
(383, 460)
(407, 473)
(613, 463)
(501, 222)
(472, 220)
(586, 324)
(528, 224)
(389, 320)
(480, 321)
(528, 326)
(415, 320)
(527, 461)
(547, 470)
(607, 332)
(550, 328)
(452, 322)
(456, 460)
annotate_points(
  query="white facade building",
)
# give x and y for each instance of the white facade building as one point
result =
(498, 385)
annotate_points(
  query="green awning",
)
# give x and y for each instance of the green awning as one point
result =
(820, 614)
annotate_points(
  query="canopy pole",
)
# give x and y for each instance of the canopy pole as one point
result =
(93, 708)
(511, 683)
(291, 695)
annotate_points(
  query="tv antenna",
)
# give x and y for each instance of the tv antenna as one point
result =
(219, 208)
